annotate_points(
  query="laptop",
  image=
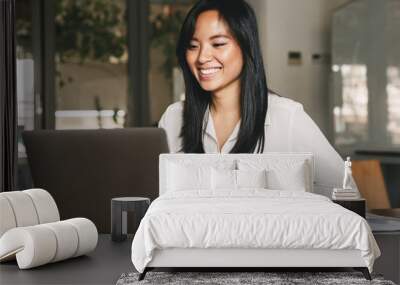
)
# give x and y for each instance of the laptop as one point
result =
(84, 169)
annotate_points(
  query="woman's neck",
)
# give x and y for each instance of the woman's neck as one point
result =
(226, 101)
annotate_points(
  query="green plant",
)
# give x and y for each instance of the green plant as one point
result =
(164, 35)
(88, 30)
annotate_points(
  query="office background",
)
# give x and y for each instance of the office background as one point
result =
(94, 64)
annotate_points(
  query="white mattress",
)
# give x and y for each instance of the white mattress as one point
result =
(250, 219)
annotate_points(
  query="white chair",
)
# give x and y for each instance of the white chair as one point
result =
(31, 230)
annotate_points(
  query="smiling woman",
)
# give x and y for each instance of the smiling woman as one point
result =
(219, 53)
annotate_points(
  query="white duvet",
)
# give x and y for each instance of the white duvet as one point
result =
(252, 218)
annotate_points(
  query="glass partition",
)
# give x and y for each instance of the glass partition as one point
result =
(366, 75)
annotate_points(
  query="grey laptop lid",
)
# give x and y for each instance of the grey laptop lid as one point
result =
(84, 169)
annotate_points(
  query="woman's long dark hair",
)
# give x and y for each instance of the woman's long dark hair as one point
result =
(241, 20)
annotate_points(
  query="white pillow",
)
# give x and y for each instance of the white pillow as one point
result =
(183, 177)
(236, 179)
(223, 164)
(293, 179)
(223, 179)
(251, 178)
(281, 175)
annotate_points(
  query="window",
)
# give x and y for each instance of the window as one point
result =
(393, 103)
(351, 117)
(366, 76)
(91, 58)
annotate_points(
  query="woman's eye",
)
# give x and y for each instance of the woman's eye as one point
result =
(219, 44)
(191, 46)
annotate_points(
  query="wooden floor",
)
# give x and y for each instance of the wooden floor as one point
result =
(103, 266)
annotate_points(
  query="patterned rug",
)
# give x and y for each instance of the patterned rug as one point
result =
(269, 278)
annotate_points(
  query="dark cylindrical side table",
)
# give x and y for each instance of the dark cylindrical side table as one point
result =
(119, 208)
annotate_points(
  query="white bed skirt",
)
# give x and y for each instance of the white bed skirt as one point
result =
(179, 257)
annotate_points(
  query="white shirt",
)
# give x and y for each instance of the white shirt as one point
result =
(288, 128)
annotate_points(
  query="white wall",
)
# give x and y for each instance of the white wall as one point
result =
(300, 26)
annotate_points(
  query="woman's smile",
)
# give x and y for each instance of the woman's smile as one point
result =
(208, 73)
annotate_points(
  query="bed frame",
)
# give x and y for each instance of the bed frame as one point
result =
(248, 259)
(260, 259)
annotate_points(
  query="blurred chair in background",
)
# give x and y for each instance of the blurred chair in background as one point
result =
(371, 184)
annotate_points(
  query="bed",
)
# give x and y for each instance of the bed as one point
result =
(247, 211)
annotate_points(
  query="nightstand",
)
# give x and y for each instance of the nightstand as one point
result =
(355, 205)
